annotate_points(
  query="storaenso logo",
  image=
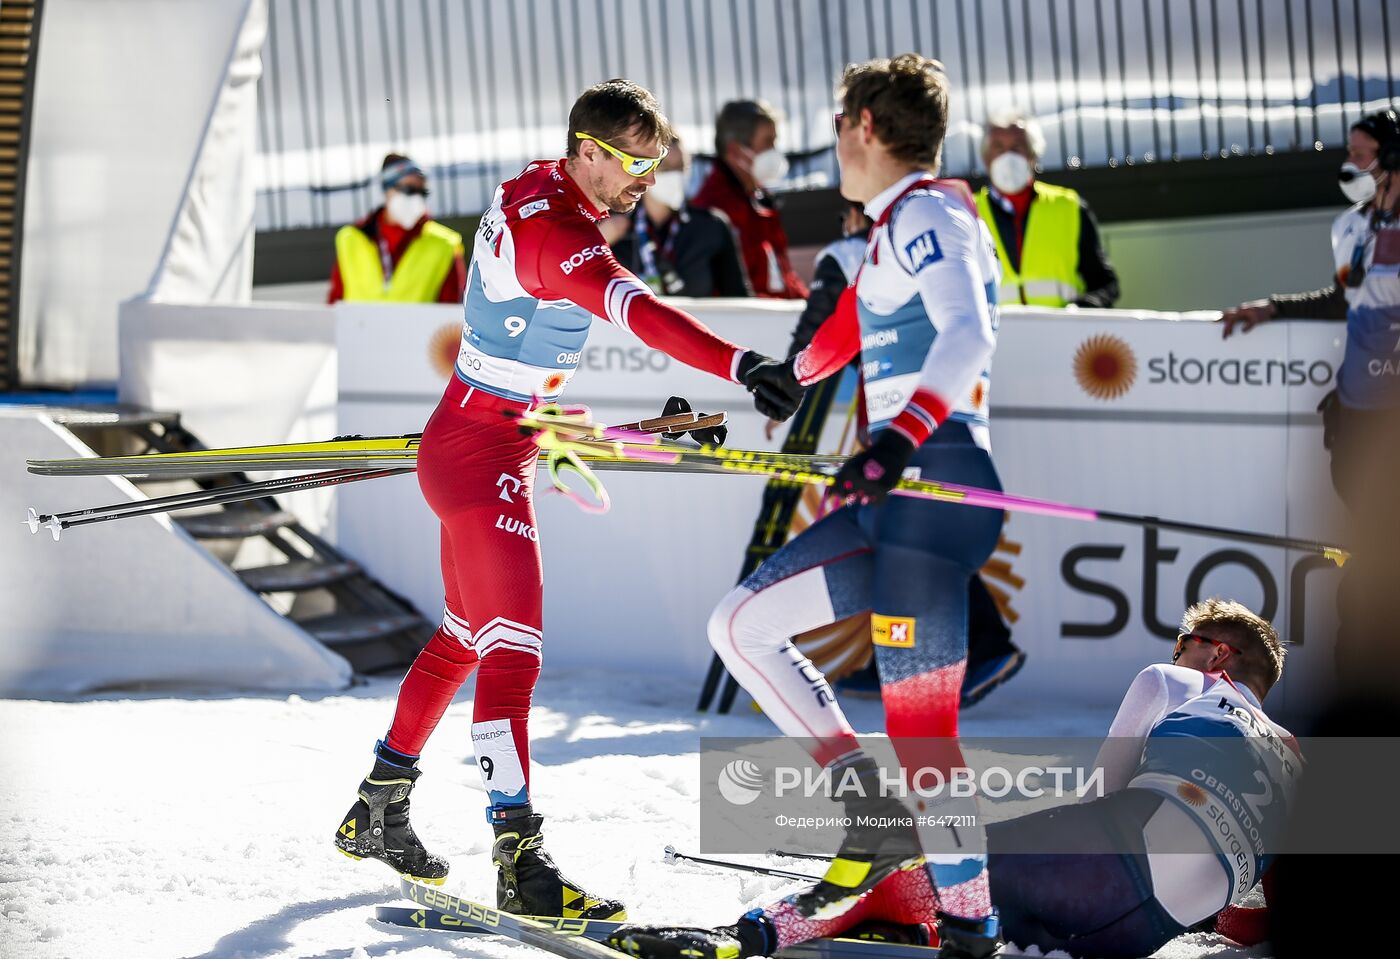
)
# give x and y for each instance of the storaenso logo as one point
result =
(740, 782)
(1081, 570)
(624, 359)
(443, 347)
(1106, 368)
(582, 257)
(1193, 372)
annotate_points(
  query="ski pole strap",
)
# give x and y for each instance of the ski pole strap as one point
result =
(561, 461)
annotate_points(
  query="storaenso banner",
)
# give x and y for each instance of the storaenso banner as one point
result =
(1231, 797)
(1239, 372)
(1079, 573)
(1076, 418)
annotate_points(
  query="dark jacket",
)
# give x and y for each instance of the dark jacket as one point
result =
(695, 255)
(1328, 303)
(762, 242)
(837, 265)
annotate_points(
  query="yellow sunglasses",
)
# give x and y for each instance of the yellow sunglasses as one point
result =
(635, 166)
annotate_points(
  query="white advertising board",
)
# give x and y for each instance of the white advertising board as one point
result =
(1135, 412)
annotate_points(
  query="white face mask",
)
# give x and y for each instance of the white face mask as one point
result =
(1357, 184)
(669, 189)
(1010, 172)
(770, 168)
(406, 210)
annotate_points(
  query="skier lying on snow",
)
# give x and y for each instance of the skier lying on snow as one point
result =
(1117, 895)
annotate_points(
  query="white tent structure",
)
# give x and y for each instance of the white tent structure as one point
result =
(140, 172)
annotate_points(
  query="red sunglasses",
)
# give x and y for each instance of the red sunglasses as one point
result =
(1181, 639)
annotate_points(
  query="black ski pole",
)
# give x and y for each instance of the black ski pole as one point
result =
(800, 855)
(193, 498)
(672, 857)
(224, 496)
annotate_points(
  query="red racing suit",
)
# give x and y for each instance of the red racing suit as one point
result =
(540, 271)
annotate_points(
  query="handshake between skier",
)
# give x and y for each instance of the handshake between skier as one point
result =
(539, 275)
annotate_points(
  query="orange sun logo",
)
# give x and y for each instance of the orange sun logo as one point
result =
(1191, 794)
(1105, 366)
(979, 394)
(553, 383)
(442, 348)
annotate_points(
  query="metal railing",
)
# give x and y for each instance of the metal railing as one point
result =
(19, 39)
(472, 89)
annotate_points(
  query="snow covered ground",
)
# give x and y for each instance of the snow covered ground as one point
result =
(158, 826)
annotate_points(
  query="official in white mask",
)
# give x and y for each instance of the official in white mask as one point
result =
(1046, 237)
(673, 248)
(398, 253)
(748, 167)
(1365, 292)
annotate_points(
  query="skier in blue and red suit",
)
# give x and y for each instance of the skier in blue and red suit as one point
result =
(922, 316)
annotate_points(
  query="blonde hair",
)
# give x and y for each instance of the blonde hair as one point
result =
(1261, 651)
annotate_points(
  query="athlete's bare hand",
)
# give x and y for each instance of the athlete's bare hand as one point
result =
(771, 427)
(1247, 316)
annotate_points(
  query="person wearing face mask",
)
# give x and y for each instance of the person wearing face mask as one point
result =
(1365, 292)
(1046, 236)
(397, 253)
(675, 249)
(748, 164)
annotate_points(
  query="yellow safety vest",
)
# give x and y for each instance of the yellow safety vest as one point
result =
(1049, 274)
(416, 279)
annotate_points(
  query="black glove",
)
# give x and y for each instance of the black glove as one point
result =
(773, 383)
(873, 472)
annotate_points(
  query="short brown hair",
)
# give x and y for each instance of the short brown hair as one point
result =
(1261, 651)
(738, 122)
(908, 102)
(614, 108)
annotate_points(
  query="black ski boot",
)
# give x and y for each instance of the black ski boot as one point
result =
(377, 826)
(528, 882)
(752, 935)
(969, 938)
(880, 841)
